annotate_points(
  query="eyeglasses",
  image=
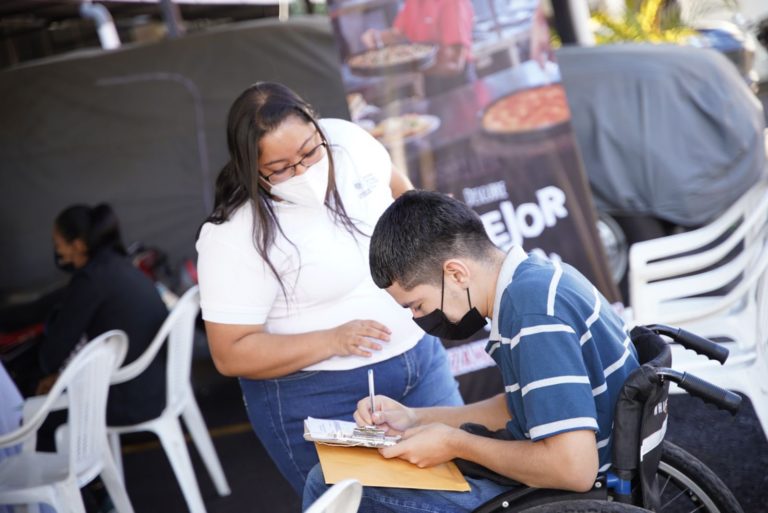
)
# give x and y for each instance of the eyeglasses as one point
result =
(310, 158)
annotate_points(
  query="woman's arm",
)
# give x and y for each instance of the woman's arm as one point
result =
(399, 183)
(69, 322)
(249, 352)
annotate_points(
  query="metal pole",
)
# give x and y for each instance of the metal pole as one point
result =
(284, 9)
(580, 15)
(572, 22)
(105, 26)
(172, 18)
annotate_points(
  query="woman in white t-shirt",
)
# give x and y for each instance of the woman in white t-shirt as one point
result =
(288, 301)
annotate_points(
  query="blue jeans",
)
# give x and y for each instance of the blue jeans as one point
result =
(398, 500)
(277, 407)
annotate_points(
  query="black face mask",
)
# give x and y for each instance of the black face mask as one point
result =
(437, 324)
(67, 268)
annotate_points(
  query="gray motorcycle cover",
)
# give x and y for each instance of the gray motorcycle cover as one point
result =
(667, 131)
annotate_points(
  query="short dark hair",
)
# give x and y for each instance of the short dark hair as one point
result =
(418, 233)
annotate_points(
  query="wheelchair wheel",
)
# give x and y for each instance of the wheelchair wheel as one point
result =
(588, 506)
(687, 485)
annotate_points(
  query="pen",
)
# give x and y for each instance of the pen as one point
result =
(370, 391)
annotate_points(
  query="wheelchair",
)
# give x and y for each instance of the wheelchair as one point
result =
(647, 473)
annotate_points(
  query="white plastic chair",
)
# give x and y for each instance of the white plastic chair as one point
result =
(666, 274)
(343, 497)
(55, 478)
(179, 330)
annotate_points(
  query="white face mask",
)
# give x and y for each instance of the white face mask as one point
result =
(307, 189)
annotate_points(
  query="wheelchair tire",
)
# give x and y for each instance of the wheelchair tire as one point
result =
(588, 506)
(687, 485)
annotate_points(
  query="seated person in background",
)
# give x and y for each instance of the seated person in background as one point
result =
(105, 292)
(562, 351)
(445, 23)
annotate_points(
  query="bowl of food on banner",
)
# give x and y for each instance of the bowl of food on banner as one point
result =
(405, 128)
(392, 59)
(525, 116)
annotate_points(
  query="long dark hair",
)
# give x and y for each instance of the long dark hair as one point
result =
(258, 110)
(97, 227)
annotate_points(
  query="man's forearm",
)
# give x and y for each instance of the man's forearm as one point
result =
(491, 413)
(567, 461)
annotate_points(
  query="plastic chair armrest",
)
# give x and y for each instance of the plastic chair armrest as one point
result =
(139, 365)
(22, 433)
(33, 404)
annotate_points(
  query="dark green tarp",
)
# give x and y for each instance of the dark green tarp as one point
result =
(142, 128)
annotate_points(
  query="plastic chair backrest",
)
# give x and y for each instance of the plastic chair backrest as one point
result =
(87, 391)
(343, 497)
(86, 381)
(179, 330)
(761, 311)
(724, 263)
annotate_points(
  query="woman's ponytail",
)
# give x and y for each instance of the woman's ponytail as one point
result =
(96, 226)
(104, 232)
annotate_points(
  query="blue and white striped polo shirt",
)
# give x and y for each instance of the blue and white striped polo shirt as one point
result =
(562, 350)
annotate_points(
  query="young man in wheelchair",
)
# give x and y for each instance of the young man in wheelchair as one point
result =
(562, 351)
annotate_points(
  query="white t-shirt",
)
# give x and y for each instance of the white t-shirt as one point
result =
(327, 279)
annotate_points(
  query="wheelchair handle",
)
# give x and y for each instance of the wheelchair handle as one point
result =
(720, 397)
(688, 340)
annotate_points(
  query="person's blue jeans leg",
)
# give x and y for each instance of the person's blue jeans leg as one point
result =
(429, 378)
(398, 500)
(277, 407)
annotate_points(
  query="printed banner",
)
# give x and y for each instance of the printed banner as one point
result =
(467, 97)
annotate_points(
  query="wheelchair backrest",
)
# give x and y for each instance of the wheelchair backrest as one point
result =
(640, 419)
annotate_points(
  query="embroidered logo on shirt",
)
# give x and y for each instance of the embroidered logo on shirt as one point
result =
(366, 185)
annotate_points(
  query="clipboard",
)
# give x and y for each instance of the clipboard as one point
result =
(372, 469)
(345, 433)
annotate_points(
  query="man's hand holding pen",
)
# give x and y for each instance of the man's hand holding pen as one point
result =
(389, 415)
(423, 445)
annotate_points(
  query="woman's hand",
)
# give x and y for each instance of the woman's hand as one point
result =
(389, 415)
(46, 384)
(375, 38)
(357, 338)
(371, 38)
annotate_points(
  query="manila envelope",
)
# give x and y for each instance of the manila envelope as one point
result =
(372, 469)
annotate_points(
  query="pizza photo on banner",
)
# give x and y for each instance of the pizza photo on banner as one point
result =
(467, 98)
